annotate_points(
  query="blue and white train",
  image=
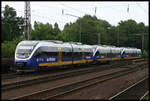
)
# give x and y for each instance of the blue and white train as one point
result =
(35, 55)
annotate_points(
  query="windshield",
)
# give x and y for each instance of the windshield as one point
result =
(24, 51)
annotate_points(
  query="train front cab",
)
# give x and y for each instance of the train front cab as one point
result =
(23, 60)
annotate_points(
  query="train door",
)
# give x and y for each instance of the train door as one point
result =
(59, 55)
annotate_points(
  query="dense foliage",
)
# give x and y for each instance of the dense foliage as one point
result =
(8, 47)
(12, 26)
(87, 29)
(44, 31)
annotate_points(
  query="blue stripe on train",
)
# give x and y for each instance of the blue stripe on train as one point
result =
(66, 59)
(75, 59)
(34, 62)
(102, 57)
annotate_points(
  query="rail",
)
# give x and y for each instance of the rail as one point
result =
(64, 89)
(128, 92)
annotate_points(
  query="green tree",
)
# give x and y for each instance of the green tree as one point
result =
(113, 36)
(89, 27)
(8, 47)
(130, 33)
(12, 26)
(56, 29)
(45, 31)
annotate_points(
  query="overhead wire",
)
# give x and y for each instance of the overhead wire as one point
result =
(48, 18)
(141, 7)
(72, 8)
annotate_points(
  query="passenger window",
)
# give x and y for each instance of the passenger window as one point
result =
(77, 54)
(88, 53)
(66, 55)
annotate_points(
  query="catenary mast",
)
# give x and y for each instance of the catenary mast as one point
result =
(27, 21)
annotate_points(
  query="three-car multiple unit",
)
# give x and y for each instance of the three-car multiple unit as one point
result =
(33, 55)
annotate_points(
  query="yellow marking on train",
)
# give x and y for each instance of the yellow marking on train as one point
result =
(49, 64)
(62, 63)
(79, 61)
(104, 59)
(117, 58)
(132, 57)
(89, 60)
(55, 63)
(66, 62)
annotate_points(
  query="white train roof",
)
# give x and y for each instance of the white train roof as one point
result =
(77, 47)
(131, 50)
(28, 42)
(88, 48)
(107, 49)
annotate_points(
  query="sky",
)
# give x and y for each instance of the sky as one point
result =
(112, 12)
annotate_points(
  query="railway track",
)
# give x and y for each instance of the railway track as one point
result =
(53, 93)
(15, 74)
(146, 94)
(57, 78)
(36, 80)
(42, 79)
(135, 92)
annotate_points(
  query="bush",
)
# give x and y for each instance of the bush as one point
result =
(8, 52)
(8, 47)
(145, 54)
